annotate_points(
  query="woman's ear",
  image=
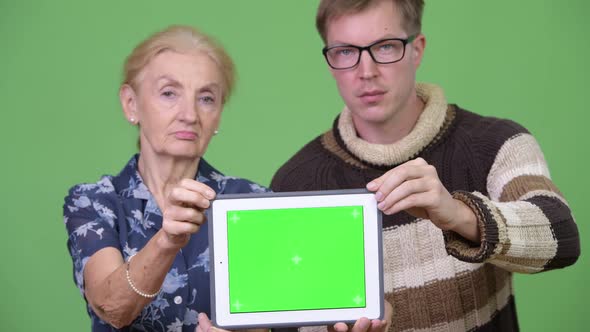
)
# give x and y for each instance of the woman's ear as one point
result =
(128, 100)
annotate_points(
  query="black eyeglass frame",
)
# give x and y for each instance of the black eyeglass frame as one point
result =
(405, 42)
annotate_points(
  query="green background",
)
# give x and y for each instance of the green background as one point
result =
(60, 64)
(263, 249)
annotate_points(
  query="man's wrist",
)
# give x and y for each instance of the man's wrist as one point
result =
(466, 223)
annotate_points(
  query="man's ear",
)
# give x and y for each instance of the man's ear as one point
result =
(128, 100)
(418, 46)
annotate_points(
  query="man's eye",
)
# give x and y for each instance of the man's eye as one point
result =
(389, 47)
(386, 47)
(345, 52)
(168, 94)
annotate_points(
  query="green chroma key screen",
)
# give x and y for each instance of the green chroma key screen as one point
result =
(296, 259)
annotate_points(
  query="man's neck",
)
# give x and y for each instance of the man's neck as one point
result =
(394, 128)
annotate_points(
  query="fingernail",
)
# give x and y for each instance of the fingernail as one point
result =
(381, 205)
(210, 194)
(372, 185)
(378, 196)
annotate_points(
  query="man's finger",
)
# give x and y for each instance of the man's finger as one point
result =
(377, 325)
(338, 327)
(384, 184)
(362, 325)
(402, 191)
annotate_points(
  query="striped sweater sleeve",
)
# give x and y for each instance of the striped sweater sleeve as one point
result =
(526, 224)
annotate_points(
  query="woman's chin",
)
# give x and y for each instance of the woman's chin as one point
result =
(183, 153)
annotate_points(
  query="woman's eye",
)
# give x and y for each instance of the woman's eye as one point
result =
(208, 99)
(168, 94)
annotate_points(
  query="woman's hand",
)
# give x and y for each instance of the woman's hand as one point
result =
(205, 325)
(184, 211)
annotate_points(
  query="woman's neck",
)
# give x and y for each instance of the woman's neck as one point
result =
(160, 174)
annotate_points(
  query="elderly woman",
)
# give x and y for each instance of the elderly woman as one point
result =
(138, 240)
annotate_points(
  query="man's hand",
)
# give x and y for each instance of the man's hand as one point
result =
(366, 325)
(414, 186)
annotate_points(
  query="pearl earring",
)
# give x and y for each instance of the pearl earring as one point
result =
(132, 120)
(216, 132)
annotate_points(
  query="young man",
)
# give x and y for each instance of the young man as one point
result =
(467, 199)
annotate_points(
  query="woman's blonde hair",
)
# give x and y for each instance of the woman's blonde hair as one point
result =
(181, 39)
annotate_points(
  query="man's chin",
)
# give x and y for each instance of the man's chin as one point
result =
(373, 115)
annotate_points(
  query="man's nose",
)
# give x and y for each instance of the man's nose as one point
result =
(367, 67)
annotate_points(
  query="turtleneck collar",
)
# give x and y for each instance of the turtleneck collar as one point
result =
(427, 127)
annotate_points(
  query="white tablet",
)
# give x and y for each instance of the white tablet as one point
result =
(295, 259)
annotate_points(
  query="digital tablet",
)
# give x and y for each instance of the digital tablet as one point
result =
(295, 259)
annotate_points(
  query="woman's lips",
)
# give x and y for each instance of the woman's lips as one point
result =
(186, 135)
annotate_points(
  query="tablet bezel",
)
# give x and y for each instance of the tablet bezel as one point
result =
(221, 315)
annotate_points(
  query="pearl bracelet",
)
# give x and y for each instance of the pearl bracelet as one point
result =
(132, 285)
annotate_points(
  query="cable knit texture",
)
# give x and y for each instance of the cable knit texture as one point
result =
(428, 126)
(435, 280)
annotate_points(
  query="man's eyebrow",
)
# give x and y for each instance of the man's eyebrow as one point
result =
(340, 43)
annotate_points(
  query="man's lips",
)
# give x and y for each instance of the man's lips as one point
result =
(373, 96)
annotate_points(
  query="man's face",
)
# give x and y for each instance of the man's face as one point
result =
(376, 94)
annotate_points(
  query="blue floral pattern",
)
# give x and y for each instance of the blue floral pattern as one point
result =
(119, 211)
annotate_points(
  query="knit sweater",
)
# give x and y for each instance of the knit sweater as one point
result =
(437, 280)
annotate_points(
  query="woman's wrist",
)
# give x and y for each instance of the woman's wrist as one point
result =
(170, 244)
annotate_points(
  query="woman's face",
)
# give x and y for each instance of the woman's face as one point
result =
(178, 104)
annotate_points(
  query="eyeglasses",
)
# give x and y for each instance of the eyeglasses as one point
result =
(382, 51)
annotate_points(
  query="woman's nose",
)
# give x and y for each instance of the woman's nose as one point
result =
(189, 111)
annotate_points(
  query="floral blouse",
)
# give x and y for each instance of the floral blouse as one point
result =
(120, 212)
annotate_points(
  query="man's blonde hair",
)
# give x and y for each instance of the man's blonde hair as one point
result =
(410, 12)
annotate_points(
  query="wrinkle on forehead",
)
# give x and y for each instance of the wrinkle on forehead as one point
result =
(191, 68)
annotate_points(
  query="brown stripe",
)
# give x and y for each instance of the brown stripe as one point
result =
(445, 301)
(492, 226)
(523, 184)
(564, 230)
(524, 264)
(329, 143)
